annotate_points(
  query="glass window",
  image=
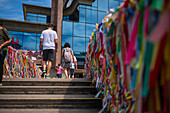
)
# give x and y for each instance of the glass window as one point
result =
(80, 56)
(91, 16)
(38, 35)
(87, 42)
(78, 44)
(42, 19)
(67, 39)
(103, 5)
(113, 4)
(101, 15)
(25, 40)
(38, 41)
(66, 18)
(15, 32)
(16, 38)
(89, 29)
(67, 28)
(82, 6)
(42, 16)
(79, 29)
(94, 4)
(31, 14)
(36, 18)
(32, 17)
(90, 7)
(82, 14)
(29, 41)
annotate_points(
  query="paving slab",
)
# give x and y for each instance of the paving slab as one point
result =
(3, 97)
(49, 110)
(49, 79)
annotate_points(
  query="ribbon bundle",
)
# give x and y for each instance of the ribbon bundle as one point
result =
(19, 65)
(128, 58)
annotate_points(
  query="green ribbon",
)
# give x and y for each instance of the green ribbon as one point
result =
(117, 10)
(102, 92)
(111, 29)
(157, 4)
(147, 62)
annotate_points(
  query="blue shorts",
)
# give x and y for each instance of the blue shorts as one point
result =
(59, 75)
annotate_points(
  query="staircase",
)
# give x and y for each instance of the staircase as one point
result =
(48, 96)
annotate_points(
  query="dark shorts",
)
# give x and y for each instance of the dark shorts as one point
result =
(71, 72)
(59, 75)
(48, 54)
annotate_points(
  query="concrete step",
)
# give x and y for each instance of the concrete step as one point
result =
(48, 90)
(50, 101)
(49, 110)
(46, 82)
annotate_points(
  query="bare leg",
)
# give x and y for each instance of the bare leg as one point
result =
(49, 67)
(73, 73)
(44, 65)
(68, 69)
(72, 76)
(65, 72)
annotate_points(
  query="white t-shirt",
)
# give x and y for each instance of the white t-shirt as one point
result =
(72, 64)
(49, 36)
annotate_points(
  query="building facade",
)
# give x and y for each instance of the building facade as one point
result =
(77, 28)
(79, 20)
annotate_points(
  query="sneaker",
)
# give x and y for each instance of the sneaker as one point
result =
(47, 76)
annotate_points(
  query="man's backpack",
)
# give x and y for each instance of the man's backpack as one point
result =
(67, 55)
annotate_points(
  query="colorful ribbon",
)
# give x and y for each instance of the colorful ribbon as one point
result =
(19, 65)
(128, 58)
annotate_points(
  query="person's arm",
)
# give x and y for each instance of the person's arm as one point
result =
(56, 44)
(62, 56)
(5, 43)
(72, 55)
(41, 40)
(75, 61)
(40, 47)
(75, 64)
(55, 40)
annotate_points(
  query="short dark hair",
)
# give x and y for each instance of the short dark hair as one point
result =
(1, 23)
(66, 45)
(50, 25)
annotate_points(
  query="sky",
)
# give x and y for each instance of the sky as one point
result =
(12, 9)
